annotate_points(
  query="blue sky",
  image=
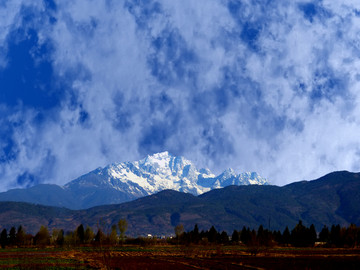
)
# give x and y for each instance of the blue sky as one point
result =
(265, 86)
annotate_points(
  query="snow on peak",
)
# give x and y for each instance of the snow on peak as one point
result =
(161, 155)
(163, 164)
(228, 173)
(164, 171)
(158, 158)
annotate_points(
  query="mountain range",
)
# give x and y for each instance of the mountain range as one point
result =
(331, 199)
(127, 181)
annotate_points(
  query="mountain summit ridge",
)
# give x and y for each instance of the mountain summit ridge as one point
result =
(162, 171)
(126, 181)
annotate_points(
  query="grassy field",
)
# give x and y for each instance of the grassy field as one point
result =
(178, 257)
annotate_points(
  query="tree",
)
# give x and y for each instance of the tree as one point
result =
(60, 239)
(99, 237)
(179, 231)
(265, 237)
(286, 237)
(12, 236)
(195, 236)
(80, 234)
(312, 235)
(245, 235)
(3, 238)
(299, 235)
(122, 228)
(70, 238)
(42, 238)
(324, 235)
(235, 237)
(20, 236)
(253, 239)
(89, 235)
(213, 235)
(351, 235)
(224, 238)
(261, 235)
(113, 235)
(335, 235)
(277, 236)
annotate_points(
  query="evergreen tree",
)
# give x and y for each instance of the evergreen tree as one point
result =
(80, 234)
(253, 239)
(224, 238)
(99, 237)
(350, 236)
(261, 235)
(212, 236)
(235, 238)
(12, 236)
(3, 238)
(302, 236)
(335, 237)
(277, 236)
(195, 235)
(60, 239)
(202, 236)
(357, 239)
(245, 235)
(299, 236)
(312, 235)
(286, 237)
(20, 236)
(324, 235)
(267, 239)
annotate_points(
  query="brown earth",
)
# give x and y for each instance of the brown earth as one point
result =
(171, 257)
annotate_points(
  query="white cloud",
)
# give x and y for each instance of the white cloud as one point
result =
(8, 14)
(226, 105)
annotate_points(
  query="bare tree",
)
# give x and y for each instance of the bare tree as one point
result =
(122, 224)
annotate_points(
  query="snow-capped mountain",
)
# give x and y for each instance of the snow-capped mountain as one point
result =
(159, 172)
(123, 182)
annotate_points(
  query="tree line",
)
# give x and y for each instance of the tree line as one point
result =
(299, 236)
(80, 236)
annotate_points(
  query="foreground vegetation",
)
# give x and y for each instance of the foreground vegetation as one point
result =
(300, 248)
(299, 236)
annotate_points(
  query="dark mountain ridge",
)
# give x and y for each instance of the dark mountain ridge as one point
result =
(332, 199)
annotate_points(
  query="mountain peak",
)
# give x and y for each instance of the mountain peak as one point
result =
(228, 173)
(161, 155)
(127, 181)
(159, 158)
(157, 172)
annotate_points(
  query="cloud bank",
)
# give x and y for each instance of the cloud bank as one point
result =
(268, 87)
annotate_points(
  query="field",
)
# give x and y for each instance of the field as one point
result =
(176, 257)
